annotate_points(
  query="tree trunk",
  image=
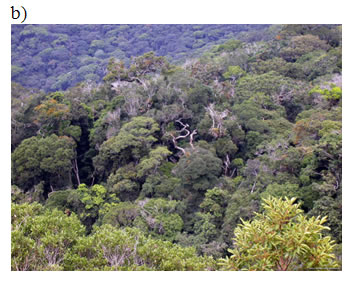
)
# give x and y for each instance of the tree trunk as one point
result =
(75, 169)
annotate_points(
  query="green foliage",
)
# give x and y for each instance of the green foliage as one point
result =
(109, 248)
(198, 169)
(59, 200)
(205, 229)
(333, 95)
(274, 64)
(157, 217)
(48, 158)
(73, 131)
(51, 240)
(281, 239)
(120, 215)
(132, 143)
(174, 154)
(93, 196)
(280, 191)
(139, 68)
(241, 204)
(95, 200)
(150, 164)
(53, 114)
(160, 218)
(160, 186)
(276, 88)
(215, 202)
(85, 256)
(225, 146)
(303, 44)
(233, 73)
(332, 209)
(124, 183)
(230, 45)
(89, 203)
(39, 239)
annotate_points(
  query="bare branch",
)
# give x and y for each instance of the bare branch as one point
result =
(75, 169)
(192, 138)
(186, 134)
(253, 186)
(183, 129)
(226, 165)
(217, 120)
(175, 144)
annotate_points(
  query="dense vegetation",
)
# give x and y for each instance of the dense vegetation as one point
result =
(55, 57)
(164, 166)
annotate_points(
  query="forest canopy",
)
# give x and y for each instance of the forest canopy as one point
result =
(56, 57)
(176, 147)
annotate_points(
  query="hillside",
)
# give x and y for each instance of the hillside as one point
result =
(55, 57)
(229, 161)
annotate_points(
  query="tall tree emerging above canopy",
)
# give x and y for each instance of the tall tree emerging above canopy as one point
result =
(281, 238)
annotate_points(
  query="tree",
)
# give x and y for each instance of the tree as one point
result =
(183, 133)
(23, 117)
(159, 217)
(94, 198)
(206, 231)
(119, 214)
(53, 114)
(132, 143)
(108, 120)
(179, 152)
(300, 45)
(39, 238)
(241, 205)
(217, 129)
(109, 248)
(49, 159)
(124, 183)
(215, 203)
(281, 238)
(233, 73)
(141, 66)
(150, 164)
(282, 190)
(332, 95)
(277, 91)
(198, 169)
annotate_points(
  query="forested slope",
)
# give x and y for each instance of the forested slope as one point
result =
(55, 57)
(162, 161)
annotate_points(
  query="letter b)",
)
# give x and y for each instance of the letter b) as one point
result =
(14, 15)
